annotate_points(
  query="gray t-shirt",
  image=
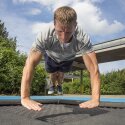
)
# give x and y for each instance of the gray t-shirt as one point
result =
(48, 43)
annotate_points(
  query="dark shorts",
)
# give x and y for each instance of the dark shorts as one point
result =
(51, 66)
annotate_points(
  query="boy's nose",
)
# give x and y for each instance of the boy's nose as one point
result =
(64, 36)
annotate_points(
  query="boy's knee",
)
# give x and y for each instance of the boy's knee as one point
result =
(53, 75)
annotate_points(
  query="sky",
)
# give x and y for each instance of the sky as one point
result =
(103, 20)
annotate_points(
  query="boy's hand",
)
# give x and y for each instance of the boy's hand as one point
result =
(31, 104)
(89, 104)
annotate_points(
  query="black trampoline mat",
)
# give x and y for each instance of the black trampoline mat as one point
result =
(61, 114)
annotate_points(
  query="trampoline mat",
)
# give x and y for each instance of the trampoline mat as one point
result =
(61, 114)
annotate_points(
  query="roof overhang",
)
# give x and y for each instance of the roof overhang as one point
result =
(108, 51)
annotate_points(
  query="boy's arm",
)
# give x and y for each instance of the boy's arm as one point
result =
(31, 62)
(92, 66)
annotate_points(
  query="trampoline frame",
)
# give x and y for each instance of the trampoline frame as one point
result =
(104, 102)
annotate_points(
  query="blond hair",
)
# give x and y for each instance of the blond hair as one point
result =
(65, 15)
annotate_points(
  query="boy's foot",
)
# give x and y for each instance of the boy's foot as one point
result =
(59, 90)
(51, 90)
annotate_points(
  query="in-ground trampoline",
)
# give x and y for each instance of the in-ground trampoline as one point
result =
(62, 110)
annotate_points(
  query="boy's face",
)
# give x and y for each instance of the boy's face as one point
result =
(64, 33)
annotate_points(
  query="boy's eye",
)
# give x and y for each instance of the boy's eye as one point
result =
(59, 31)
(68, 32)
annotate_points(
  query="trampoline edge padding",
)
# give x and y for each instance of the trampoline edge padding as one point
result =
(64, 101)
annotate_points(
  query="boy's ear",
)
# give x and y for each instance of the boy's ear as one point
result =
(54, 22)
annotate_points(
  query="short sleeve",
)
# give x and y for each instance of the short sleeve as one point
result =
(39, 43)
(85, 45)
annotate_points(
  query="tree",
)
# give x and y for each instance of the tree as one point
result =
(11, 67)
(4, 36)
(3, 30)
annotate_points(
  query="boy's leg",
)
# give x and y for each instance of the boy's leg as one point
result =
(53, 80)
(60, 78)
(64, 67)
(56, 79)
(56, 71)
(51, 68)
